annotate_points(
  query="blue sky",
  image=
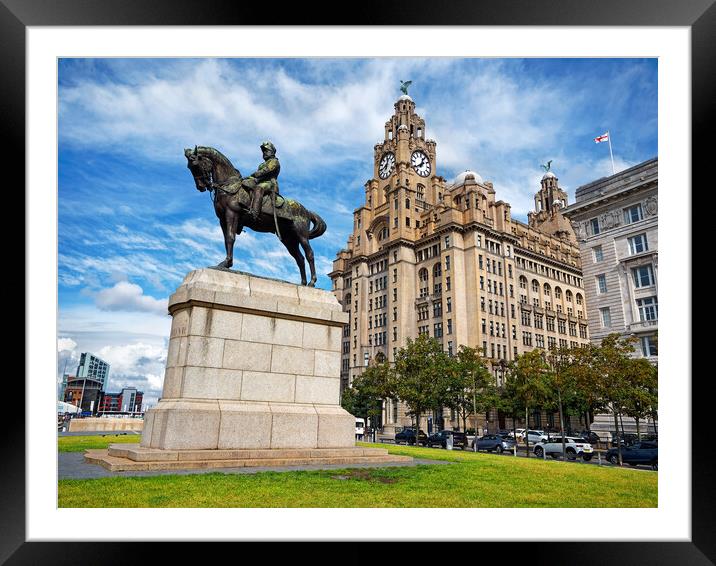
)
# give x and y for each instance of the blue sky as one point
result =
(131, 223)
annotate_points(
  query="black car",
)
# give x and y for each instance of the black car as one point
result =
(590, 436)
(645, 453)
(626, 439)
(459, 439)
(407, 435)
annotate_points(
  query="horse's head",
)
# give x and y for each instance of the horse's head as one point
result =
(201, 167)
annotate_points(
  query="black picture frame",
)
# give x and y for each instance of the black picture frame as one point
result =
(698, 15)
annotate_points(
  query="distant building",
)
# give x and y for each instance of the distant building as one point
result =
(65, 378)
(128, 400)
(84, 393)
(94, 368)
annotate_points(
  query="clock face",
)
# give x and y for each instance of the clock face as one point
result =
(420, 163)
(387, 163)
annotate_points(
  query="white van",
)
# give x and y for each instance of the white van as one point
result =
(360, 428)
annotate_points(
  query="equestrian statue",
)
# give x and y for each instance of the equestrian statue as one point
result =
(254, 202)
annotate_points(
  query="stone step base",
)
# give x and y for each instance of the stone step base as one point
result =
(119, 458)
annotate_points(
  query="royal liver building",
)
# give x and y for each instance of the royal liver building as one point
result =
(447, 259)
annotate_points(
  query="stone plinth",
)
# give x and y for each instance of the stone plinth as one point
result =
(253, 363)
(123, 458)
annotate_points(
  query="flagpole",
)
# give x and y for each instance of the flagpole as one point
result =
(609, 139)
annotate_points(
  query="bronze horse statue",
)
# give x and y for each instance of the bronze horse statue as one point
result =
(290, 220)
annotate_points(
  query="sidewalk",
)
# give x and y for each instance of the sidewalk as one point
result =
(71, 465)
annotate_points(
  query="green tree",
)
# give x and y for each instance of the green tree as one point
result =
(612, 361)
(364, 398)
(531, 376)
(421, 376)
(470, 387)
(562, 383)
(642, 381)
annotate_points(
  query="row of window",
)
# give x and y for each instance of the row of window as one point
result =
(642, 276)
(631, 215)
(549, 272)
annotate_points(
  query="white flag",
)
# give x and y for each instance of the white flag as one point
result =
(602, 138)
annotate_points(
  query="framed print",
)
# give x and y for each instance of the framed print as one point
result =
(676, 40)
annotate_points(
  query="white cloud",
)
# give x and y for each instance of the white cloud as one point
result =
(125, 296)
(66, 345)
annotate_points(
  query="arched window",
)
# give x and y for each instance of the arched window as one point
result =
(437, 270)
(579, 299)
(423, 274)
(557, 293)
(535, 286)
(523, 282)
(568, 295)
(547, 290)
(421, 192)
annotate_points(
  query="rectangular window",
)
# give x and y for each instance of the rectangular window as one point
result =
(447, 242)
(448, 304)
(638, 244)
(438, 329)
(648, 346)
(643, 276)
(479, 259)
(606, 317)
(633, 214)
(601, 283)
(648, 309)
(449, 326)
(447, 283)
(447, 263)
(597, 254)
(594, 225)
(407, 221)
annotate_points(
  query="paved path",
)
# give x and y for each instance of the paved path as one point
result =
(100, 433)
(71, 465)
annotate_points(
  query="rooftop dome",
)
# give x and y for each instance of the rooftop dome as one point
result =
(549, 175)
(467, 175)
(405, 97)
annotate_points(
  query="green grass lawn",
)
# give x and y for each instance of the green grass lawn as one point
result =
(471, 480)
(82, 443)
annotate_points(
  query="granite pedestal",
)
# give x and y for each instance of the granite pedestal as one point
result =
(253, 373)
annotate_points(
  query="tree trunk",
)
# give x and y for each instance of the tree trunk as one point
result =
(561, 424)
(527, 428)
(616, 427)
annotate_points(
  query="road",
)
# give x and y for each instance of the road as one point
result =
(593, 462)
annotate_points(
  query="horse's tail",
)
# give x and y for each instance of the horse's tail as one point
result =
(319, 226)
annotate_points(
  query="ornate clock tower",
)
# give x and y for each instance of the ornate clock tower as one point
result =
(405, 159)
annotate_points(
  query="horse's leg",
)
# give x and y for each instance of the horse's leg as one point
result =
(308, 251)
(291, 243)
(230, 226)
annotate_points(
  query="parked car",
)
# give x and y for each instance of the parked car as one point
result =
(626, 439)
(518, 433)
(494, 442)
(534, 436)
(646, 453)
(575, 447)
(459, 439)
(590, 436)
(407, 435)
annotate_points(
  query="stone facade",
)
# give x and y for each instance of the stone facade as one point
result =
(616, 220)
(252, 363)
(446, 258)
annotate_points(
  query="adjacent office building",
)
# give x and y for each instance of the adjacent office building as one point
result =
(92, 367)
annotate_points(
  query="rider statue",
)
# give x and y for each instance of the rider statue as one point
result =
(264, 180)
